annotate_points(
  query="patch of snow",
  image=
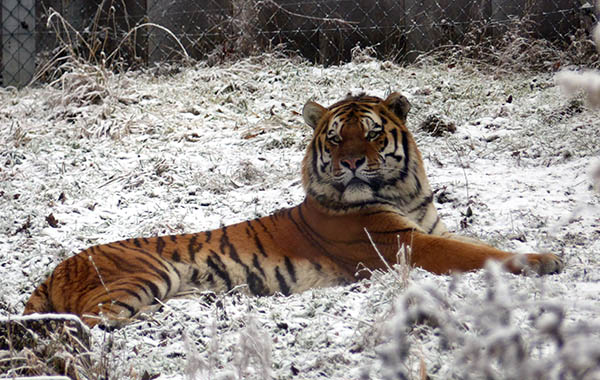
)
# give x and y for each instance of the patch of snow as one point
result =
(210, 146)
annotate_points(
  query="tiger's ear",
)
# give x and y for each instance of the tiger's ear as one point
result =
(398, 104)
(312, 113)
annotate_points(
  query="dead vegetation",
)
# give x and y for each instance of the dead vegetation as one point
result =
(514, 47)
(421, 316)
(51, 345)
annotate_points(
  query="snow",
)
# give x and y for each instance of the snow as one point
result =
(194, 148)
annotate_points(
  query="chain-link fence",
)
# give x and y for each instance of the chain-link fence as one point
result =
(18, 41)
(139, 32)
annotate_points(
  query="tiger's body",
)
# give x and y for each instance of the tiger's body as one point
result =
(362, 173)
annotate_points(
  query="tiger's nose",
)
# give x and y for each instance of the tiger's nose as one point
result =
(353, 163)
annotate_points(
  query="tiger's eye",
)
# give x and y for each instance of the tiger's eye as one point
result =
(372, 135)
(335, 139)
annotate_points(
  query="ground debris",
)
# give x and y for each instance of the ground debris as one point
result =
(436, 126)
(44, 344)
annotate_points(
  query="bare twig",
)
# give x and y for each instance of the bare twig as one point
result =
(185, 53)
(322, 19)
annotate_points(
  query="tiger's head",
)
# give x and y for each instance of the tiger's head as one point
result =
(362, 154)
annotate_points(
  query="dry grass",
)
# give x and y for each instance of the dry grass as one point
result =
(507, 46)
(48, 347)
(514, 47)
(96, 45)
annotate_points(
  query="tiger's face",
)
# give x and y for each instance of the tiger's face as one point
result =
(361, 153)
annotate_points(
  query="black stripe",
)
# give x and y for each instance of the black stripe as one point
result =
(153, 257)
(262, 224)
(378, 212)
(160, 245)
(227, 246)
(405, 147)
(290, 268)
(173, 238)
(319, 145)
(249, 228)
(117, 247)
(217, 269)
(193, 247)
(129, 308)
(151, 285)
(224, 244)
(306, 230)
(385, 232)
(394, 133)
(42, 292)
(394, 154)
(145, 240)
(259, 246)
(128, 291)
(136, 282)
(314, 236)
(418, 186)
(348, 206)
(208, 235)
(315, 159)
(423, 204)
(283, 286)
(265, 229)
(118, 261)
(174, 269)
(317, 265)
(256, 285)
(437, 221)
(257, 265)
(165, 276)
(195, 274)
(175, 256)
(137, 243)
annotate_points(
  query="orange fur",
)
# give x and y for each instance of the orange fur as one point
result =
(362, 172)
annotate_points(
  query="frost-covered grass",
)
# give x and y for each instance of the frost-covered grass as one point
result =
(99, 157)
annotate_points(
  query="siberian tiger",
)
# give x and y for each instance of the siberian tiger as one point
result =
(364, 179)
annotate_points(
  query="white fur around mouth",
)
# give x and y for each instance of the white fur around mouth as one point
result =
(357, 190)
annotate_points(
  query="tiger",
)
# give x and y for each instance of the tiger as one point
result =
(366, 195)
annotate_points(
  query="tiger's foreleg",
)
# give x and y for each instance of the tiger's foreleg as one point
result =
(444, 255)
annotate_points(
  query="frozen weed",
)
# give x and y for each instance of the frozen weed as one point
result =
(117, 189)
(82, 84)
(494, 335)
(251, 356)
(255, 343)
(57, 346)
(587, 82)
(518, 48)
(401, 269)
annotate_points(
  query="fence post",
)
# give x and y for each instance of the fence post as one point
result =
(18, 42)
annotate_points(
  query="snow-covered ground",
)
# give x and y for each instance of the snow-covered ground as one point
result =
(100, 157)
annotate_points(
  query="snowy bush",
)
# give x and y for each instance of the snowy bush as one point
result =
(588, 82)
(494, 332)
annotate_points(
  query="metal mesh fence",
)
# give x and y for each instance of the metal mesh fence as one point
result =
(18, 41)
(141, 32)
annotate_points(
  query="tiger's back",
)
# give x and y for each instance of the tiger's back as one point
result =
(116, 280)
(365, 184)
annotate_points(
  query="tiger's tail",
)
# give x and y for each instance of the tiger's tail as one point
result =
(39, 302)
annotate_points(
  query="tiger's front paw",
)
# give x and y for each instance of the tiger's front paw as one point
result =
(540, 263)
(544, 263)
